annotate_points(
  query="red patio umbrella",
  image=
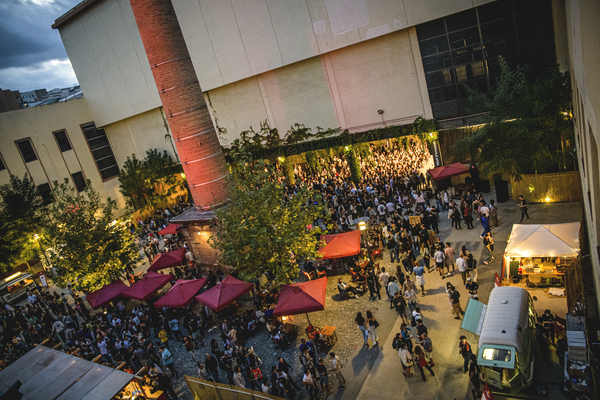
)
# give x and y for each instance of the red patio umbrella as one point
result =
(448, 171)
(143, 289)
(181, 293)
(167, 260)
(224, 293)
(106, 294)
(341, 245)
(304, 297)
(170, 229)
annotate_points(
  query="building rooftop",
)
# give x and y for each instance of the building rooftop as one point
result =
(79, 8)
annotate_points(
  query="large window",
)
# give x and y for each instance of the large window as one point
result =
(79, 181)
(27, 151)
(462, 50)
(46, 193)
(101, 151)
(63, 141)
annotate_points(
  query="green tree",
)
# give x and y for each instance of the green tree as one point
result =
(527, 126)
(149, 182)
(21, 213)
(353, 163)
(264, 228)
(89, 247)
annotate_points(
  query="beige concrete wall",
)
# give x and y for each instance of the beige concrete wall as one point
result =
(232, 40)
(134, 135)
(583, 34)
(105, 48)
(343, 88)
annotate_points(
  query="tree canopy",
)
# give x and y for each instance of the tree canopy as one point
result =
(265, 224)
(148, 182)
(89, 247)
(21, 213)
(527, 126)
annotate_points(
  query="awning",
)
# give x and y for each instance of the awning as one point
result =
(341, 245)
(170, 229)
(447, 171)
(53, 375)
(299, 298)
(168, 260)
(143, 289)
(181, 293)
(550, 240)
(224, 293)
(106, 294)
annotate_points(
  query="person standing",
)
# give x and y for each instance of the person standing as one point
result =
(456, 308)
(419, 272)
(427, 347)
(411, 298)
(439, 257)
(238, 378)
(362, 325)
(485, 223)
(421, 362)
(493, 213)
(392, 290)
(523, 207)
(464, 348)
(167, 359)
(400, 303)
(488, 243)
(406, 360)
(391, 245)
(336, 367)
(472, 288)
(462, 267)
(323, 377)
(384, 278)
(474, 372)
(309, 383)
(449, 254)
(425, 253)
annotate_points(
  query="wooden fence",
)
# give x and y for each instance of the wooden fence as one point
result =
(202, 389)
(548, 188)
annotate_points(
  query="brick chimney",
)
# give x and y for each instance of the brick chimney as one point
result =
(181, 96)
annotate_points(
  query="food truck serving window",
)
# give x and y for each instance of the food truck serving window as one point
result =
(497, 356)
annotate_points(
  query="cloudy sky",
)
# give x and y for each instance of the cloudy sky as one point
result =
(32, 55)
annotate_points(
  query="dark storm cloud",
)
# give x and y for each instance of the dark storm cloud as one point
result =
(27, 39)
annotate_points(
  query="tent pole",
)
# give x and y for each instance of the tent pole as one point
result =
(308, 319)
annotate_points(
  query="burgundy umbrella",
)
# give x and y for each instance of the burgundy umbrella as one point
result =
(299, 298)
(106, 294)
(224, 293)
(168, 260)
(448, 171)
(170, 229)
(143, 289)
(181, 293)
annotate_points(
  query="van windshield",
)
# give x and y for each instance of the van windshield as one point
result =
(497, 354)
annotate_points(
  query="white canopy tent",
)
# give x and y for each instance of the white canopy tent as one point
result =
(552, 240)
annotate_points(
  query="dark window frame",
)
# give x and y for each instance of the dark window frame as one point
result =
(32, 148)
(80, 186)
(46, 195)
(60, 147)
(85, 127)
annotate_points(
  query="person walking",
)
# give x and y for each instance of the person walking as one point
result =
(421, 362)
(384, 278)
(336, 367)
(462, 267)
(406, 359)
(406, 337)
(419, 272)
(426, 254)
(485, 223)
(362, 325)
(471, 266)
(167, 359)
(493, 213)
(400, 303)
(488, 243)
(373, 324)
(411, 299)
(464, 349)
(449, 254)
(523, 207)
(427, 347)
(213, 367)
(323, 377)
(238, 378)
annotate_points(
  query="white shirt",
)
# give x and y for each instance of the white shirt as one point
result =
(461, 264)
(439, 256)
(390, 207)
(308, 379)
(484, 210)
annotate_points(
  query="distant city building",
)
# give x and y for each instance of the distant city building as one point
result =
(33, 96)
(9, 100)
